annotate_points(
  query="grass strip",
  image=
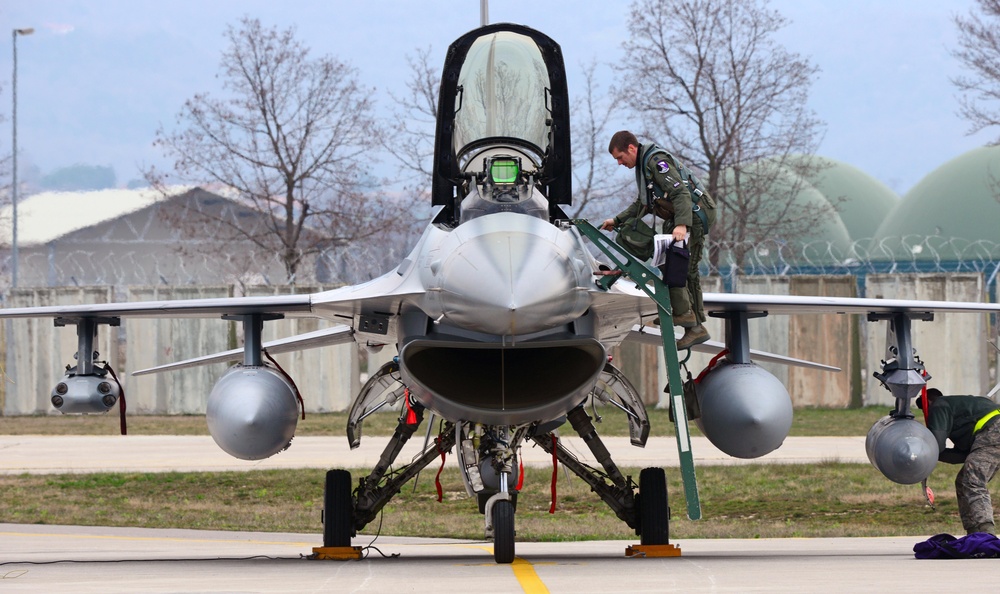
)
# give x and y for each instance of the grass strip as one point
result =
(744, 501)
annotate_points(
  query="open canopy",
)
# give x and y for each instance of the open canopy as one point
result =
(504, 85)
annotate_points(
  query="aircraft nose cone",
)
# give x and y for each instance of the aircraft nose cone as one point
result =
(511, 282)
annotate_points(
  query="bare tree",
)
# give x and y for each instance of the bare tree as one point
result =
(979, 52)
(411, 140)
(594, 181)
(289, 137)
(714, 88)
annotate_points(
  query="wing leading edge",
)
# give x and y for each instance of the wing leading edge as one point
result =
(788, 304)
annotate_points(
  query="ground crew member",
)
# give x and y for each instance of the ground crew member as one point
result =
(676, 209)
(972, 423)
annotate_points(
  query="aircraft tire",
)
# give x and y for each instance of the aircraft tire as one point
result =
(654, 515)
(503, 532)
(337, 509)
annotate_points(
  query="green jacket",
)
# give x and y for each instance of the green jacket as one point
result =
(652, 168)
(954, 418)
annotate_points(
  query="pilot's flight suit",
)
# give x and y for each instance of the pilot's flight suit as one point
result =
(675, 208)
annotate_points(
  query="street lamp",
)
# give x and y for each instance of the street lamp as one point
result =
(13, 195)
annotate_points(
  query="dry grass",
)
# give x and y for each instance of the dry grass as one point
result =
(747, 501)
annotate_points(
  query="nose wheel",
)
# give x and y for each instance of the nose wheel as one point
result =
(503, 531)
(500, 521)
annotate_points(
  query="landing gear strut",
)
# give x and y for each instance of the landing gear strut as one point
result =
(344, 512)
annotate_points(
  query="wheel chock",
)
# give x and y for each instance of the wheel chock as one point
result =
(336, 553)
(664, 550)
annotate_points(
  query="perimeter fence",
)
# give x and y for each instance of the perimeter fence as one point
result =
(94, 264)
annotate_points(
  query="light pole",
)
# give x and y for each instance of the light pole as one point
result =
(13, 185)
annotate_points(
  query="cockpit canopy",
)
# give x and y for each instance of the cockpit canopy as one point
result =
(502, 94)
(503, 106)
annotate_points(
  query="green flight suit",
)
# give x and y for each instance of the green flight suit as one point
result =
(675, 208)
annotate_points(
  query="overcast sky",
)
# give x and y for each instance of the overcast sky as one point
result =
(98, 77)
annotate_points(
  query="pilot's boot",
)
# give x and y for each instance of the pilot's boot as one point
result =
(693, 336)
(687, 320)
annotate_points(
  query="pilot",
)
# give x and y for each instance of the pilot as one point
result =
(674, 205)
(971, 423)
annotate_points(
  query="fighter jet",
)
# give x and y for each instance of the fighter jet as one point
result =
(502, 330)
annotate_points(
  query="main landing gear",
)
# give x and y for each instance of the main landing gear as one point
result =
(487, 457)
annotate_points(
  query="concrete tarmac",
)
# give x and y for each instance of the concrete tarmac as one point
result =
(157, 453)
(110, 560)
(43, 558)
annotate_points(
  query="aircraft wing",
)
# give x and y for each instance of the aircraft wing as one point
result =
(718, 303)
(310, 340)
(181, 308)
(385, 294)
(651, 335)
(789, 304)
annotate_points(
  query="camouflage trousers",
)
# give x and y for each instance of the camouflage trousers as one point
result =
(982, 463)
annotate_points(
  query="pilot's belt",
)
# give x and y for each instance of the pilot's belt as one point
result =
(985, 419)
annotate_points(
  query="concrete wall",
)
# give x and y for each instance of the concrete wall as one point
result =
(953, 347)
(820, 338)
(326, 377)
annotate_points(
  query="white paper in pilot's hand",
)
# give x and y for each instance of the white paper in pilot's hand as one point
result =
(662, 243)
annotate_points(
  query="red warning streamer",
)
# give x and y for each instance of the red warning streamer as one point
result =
(411, 415)
(437, 477)
(923, 397)
(711, 365)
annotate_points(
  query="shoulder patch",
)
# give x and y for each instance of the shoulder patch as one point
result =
(662, 166)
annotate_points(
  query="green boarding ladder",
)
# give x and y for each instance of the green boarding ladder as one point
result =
(648, 279)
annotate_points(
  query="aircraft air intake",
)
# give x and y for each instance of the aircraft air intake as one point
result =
(509, 385)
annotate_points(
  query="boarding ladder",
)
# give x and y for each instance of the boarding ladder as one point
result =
(648, 280)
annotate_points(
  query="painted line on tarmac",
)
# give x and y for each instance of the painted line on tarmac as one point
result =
(525, 573)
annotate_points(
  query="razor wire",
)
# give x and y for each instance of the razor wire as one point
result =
(910, 253)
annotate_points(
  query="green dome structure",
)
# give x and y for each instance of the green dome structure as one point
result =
(953, 213)
(828, 241)
(862, 201)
